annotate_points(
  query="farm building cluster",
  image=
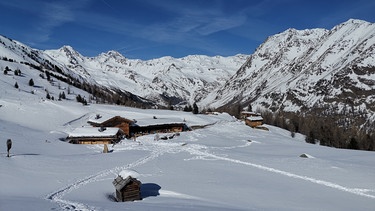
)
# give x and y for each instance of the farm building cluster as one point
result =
(106, 129)
(111, 129)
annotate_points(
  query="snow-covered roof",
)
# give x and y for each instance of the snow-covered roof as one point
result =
(124, 178)
(103, 118)
(158, 121)
(93, 132)
(250, 113)
(127, 172)
(142, 122)
(255, 118)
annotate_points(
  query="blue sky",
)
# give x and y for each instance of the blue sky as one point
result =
(147, 29)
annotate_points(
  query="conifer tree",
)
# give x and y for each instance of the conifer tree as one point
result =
(6, 70)
(195, 109)
(17, 72)
(249, 108)
(48, 76)
(31, 82)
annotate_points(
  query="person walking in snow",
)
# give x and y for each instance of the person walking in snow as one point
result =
(9, 145)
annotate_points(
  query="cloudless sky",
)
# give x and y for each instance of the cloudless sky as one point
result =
(147, 29)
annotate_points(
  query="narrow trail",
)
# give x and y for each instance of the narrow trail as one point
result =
(58, 195)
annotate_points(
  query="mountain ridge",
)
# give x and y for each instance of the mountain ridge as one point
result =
(313, 68)
(315, 81)
(152, 79)
(305, 66)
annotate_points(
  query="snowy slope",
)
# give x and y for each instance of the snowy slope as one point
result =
(224, 166)
(297, 70)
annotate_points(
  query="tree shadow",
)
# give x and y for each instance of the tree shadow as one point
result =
(24, 154)
(150, 189)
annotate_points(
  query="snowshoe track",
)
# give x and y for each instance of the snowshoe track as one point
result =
(69, 205)
(200, 152)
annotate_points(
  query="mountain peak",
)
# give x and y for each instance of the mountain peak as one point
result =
(67, 48)
(355, 21)
(70, 52)
(113, 53)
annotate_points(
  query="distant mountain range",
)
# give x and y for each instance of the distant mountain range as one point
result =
(330, 71)
(163, 81)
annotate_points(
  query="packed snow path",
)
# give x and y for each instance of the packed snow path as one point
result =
(69, 205)
(198, 151)
(357, 191)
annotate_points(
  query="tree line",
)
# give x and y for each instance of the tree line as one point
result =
(334, 130)
(339, 130)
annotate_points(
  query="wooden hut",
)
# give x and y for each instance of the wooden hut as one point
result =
(153, 125)
(145, 129)
(252, 119)
(140, 126)
(128, 189)
(116, 121)
(92, 135)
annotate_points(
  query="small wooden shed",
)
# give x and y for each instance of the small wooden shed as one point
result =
(128, 189)
(254, 121)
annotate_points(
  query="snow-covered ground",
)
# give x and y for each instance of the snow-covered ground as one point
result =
(223, 166)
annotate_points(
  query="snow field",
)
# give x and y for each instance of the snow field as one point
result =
(224, 166)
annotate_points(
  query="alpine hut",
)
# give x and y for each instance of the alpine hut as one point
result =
(128, 188)
(158, 125)
(92, 135)
(252, 119)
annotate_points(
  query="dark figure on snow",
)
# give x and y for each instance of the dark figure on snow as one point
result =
(9, 145)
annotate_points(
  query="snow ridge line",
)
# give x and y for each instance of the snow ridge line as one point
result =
(356, 191)
(69, 205)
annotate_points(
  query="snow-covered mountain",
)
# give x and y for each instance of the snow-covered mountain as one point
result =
(162, 81)
(298, 70)
(165, 80)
